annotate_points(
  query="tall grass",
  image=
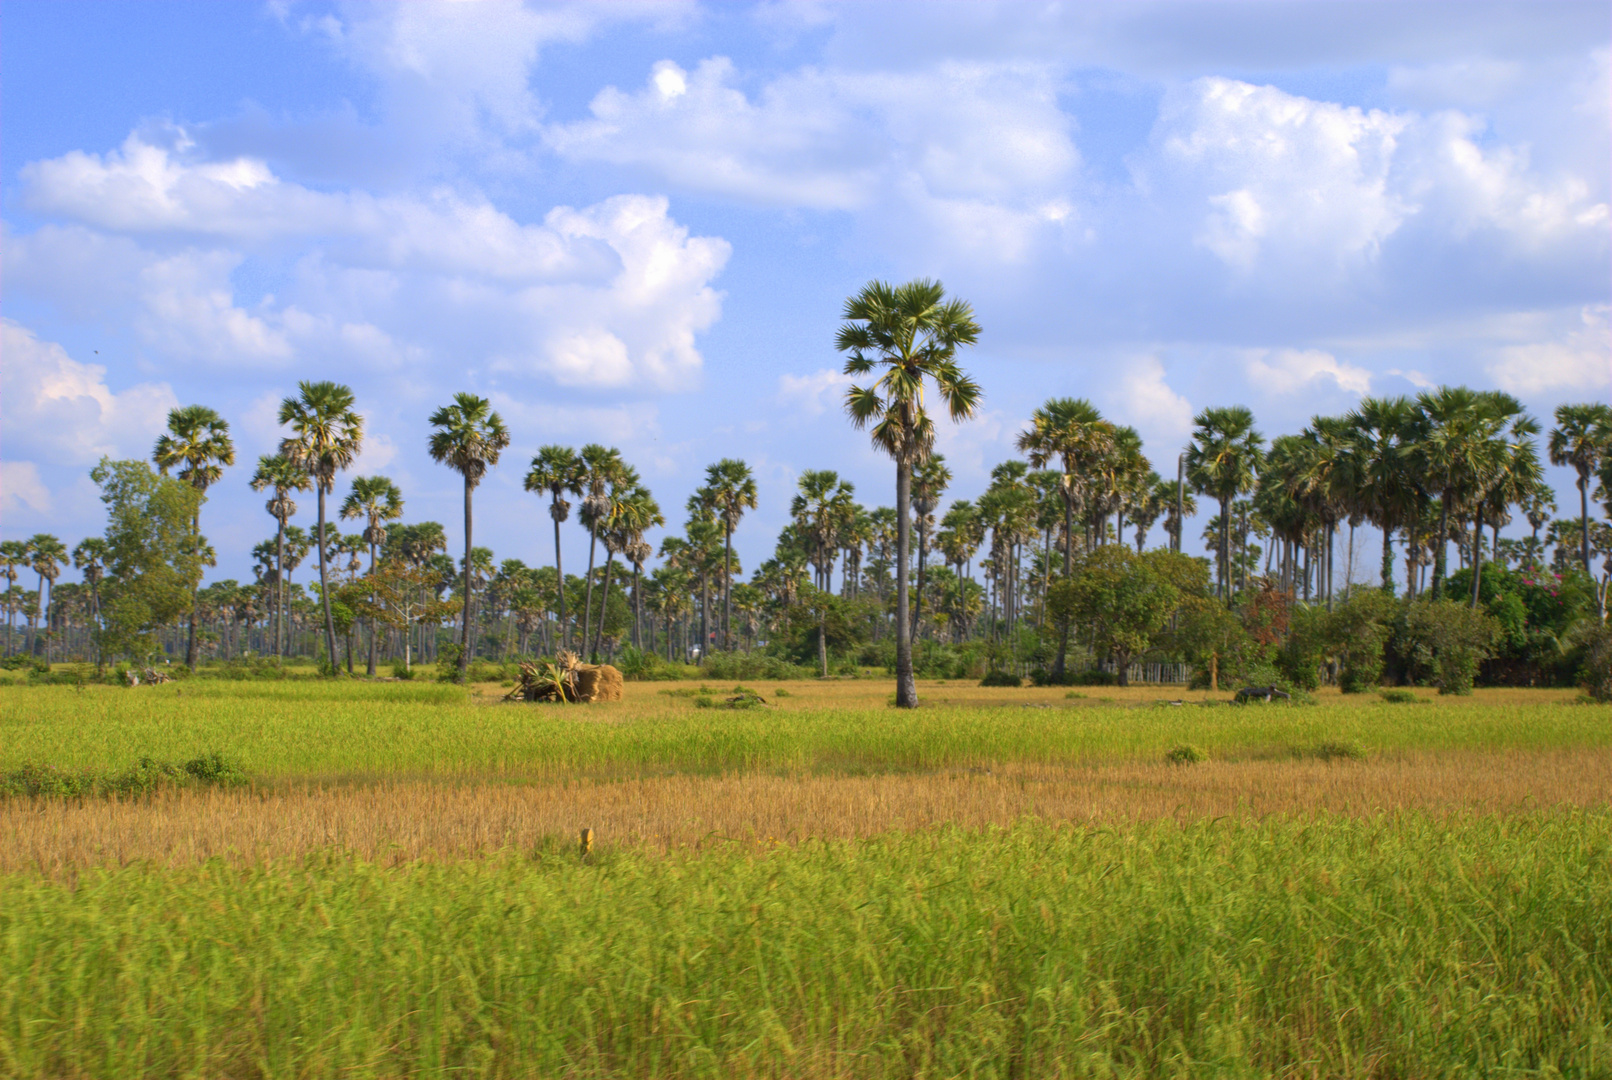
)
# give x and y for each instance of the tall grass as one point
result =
(1408, 945)
(330, 730)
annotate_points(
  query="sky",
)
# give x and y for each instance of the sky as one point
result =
(637, 224)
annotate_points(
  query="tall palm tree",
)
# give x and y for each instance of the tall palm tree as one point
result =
(601, 465)
(633, 511)
(45, 556)
(911, 333)
(197, 443)
(730, 490)
(929, 480)
(277, 472)
(1582, 438)
(326, 435)
(1073, 433)
(1454, 450)
(1384, 433)
(377, 500)
(1223, 461)
(90, 557)
(1511, 470)
(557, 470)
(821, 511)
(468, 438)
(13, 553)
(1169, 495)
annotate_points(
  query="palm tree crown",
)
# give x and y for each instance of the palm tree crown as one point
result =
(469, 437)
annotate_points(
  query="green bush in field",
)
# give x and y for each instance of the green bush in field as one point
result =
(999, 677)
(1339, 750)
(143, 778)
(1443, 642)
(1399, 697)
(1186, 755)
(758, 666)
(1592, 641)
(1357, 633)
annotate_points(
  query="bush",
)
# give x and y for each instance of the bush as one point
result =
(1342, 750)
(999, 677)
(757, 666)
(143, 778)
(1593, 639)
(1303, 651)
(1400, 697)
(1443, 642)
(1357, 632)
(1186, 755)
(401, 671)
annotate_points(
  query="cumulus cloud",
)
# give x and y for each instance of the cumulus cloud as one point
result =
(1288, 371)
(58, 411)
(609, 295)
(1142, 397)
(20, 487)
(1579, 358)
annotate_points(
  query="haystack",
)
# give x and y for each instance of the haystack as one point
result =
(568, 679)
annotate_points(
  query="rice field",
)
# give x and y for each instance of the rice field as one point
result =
(1003, 883)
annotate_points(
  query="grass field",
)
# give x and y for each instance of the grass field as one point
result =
(1003, 883)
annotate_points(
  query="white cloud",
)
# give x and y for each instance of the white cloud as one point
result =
(1476, 81)
(811, 394)
(610, 295)
(1142, 397)
(1578, 359)
(60, 412)
(21, 487)
(1288, 371)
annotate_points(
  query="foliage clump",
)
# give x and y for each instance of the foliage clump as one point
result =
(145, 777)
(999, 677)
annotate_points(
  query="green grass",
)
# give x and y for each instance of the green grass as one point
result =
(1394, 947)
(332, 730)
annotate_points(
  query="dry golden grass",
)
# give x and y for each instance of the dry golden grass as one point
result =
(399, 822)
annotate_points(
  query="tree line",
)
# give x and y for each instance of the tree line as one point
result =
(1010, 573)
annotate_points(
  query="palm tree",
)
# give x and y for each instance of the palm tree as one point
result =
(912, 333)
(468, 438)
(276, 471)
(377, 500)
(601, 465)
(1582, 438)
(729, 489)
(45, 555)
(821, 511)
(633, 511)
(91, 556)
(929, 480)
(557, 470)
(1177, 504)
(326, 435)
(1072, 432)
(1511, 473)
(1224, 461)
(197, 442)
(1454, 451)
(1384, 434)
(13, 553)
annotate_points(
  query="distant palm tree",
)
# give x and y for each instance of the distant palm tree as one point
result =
(821, 511)
(634, 512)
(911, 333)
(1167, 494)
(1582, 438)
(1224, 461)
(277, 472)
(197, 443)
(729, 489)
(377, 500)
(1384, 434)
(1071, 432)
(1455, 450)
(601, 466)
(326, 435)
(468, 438)
(45, 556)
(1511, 470)
(929, 480)
(90, 557)
(557, 470)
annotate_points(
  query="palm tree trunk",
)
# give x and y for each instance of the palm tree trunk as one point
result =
(637, 609)
(705, 611)
(1477, 554)
(464, 621)
(324, 586)
(1441, 553)
(559, 574)
(587, 596)
(604, 601)
(1388, 560)
(1584, 519)
(923, 552)
(369, 668)
(727, 587)
(906, 687)
(1225, 549)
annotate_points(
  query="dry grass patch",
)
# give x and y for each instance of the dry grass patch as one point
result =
(401, 822)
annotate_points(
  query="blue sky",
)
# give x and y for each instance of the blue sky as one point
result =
(636, 223)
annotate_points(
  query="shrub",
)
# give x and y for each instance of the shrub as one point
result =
(1357, 632)
(1594, 639)
(400, 671)
(1303, 651)
(1400, 697)
(1044, 677)
(999, 677)
(1186, 755)
(143, 778)
(1093, 677)
(1443, 642)
(758, 666)
(1341, 750)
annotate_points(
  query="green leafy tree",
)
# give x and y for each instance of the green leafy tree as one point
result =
(469, 437)
(910, 335)
(152, 566)
(327, 434)
(1120, 601)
